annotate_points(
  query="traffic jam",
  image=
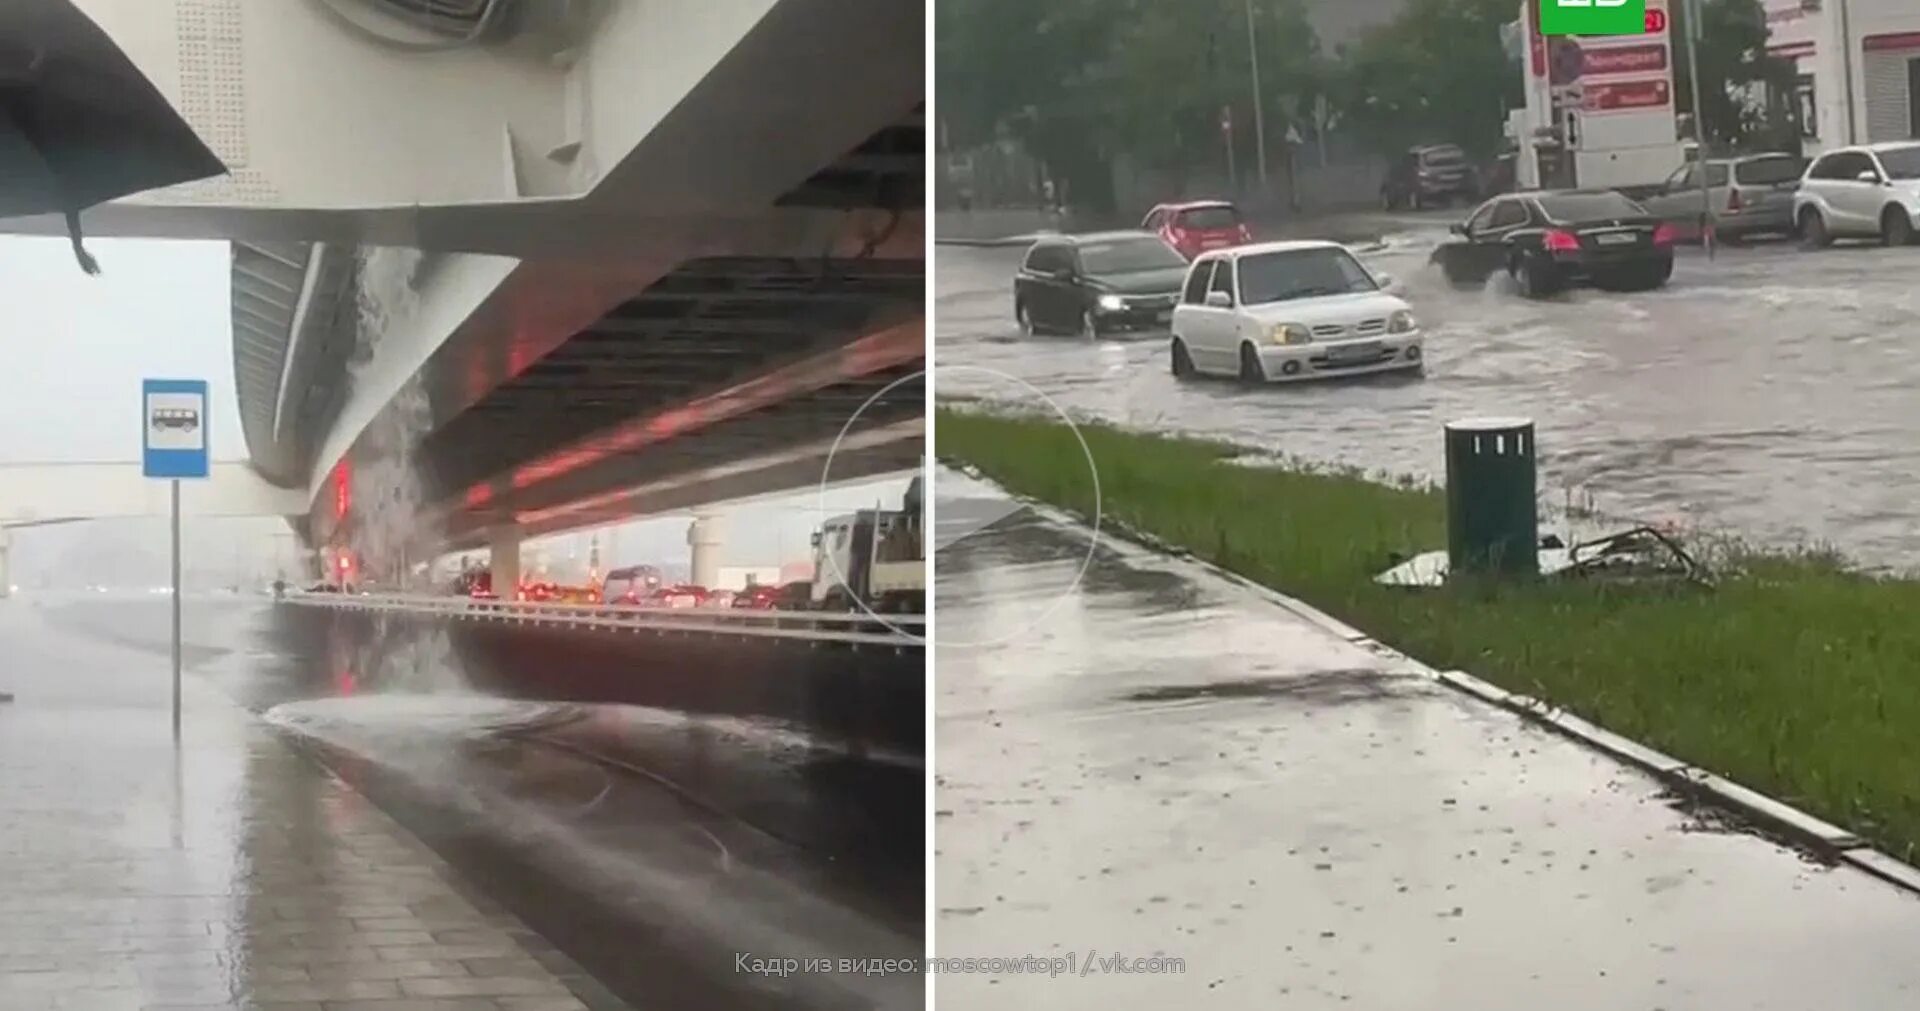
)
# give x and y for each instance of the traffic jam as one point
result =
(1600, 189)
(869, 560)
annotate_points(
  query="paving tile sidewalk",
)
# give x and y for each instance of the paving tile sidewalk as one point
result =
(231, 872)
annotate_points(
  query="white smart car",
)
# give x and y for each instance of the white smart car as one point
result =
(1285, 311)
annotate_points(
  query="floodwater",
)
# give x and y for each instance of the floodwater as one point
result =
(1768, 394)
(1252, 812)
(652, 847)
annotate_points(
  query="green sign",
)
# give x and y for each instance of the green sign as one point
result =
(1593, 17)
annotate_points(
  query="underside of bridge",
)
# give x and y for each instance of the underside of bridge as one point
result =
(724, 368)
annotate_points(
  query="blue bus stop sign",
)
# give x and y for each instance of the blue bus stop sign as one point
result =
(173, 414)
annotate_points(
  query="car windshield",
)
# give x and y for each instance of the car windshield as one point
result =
(1301, 273)
(1902, 162)
(1210, 218)
(1589, 206)
(1128, 256)
(1442, 156)
(1765, 171)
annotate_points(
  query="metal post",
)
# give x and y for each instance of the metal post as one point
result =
(176, 609)
(1846, 70)
(1699, 127)
(1259, 111)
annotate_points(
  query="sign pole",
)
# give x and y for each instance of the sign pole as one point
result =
(176, 609)
(1259, 111)
(174, 446)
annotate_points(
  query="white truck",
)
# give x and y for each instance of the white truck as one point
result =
(875, 557)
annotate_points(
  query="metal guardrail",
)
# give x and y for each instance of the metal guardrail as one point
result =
(897, 631)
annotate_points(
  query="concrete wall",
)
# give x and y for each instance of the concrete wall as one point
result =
(860, 698)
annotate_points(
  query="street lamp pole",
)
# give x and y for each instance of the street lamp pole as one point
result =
(1699, 127)
(1259, 111)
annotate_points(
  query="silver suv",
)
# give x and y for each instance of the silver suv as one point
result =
(1868, 192)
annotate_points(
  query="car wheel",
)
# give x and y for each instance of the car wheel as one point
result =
(1813, 230)
(1089, 326)
(1896, 227)
(1252, 372)
(1533, 279)
(1182, 362)
(1020, 312)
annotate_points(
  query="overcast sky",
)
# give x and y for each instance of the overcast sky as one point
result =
(78, 347)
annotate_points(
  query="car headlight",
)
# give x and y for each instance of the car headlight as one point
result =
(1291, 333)
(1402, 322)
(1112, 303)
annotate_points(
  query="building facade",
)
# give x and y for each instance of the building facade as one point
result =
(1859, 63)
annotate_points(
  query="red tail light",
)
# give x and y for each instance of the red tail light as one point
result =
(1665, 235)
(1733, 200)
(1558, 241)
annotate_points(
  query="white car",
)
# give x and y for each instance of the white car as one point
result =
(1286, 311)
(1867, 192)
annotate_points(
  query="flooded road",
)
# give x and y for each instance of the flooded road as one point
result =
(1177, 767)
(1768, 394)
(651, 847)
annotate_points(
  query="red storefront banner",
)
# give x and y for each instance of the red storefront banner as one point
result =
(1612, 96)
(1624, 60)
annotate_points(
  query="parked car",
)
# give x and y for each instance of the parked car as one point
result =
(1751, 195)
(1195, 227)
(1283, 311)
(1868, 192)
(1548, 240)
(1434, 175)
(1096, 284)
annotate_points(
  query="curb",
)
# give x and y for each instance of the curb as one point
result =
(1830, 843)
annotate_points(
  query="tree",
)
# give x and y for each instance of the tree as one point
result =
(1733, 60)
(1081, 82)
(1437, 73)
(1179, 65)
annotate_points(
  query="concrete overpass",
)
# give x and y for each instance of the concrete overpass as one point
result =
(521, 266)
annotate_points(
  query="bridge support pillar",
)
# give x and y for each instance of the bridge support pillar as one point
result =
(505, 561)
(707, 537)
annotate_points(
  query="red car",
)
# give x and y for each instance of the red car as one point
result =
(1198, 226)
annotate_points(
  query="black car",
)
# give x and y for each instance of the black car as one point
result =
(1548, 240)
(1436, 175)
(1099, 283)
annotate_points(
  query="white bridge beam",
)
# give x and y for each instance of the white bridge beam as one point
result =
(33, 493)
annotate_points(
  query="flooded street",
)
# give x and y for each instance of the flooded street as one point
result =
(1768, 394)
(1178, 767)
(652, 847)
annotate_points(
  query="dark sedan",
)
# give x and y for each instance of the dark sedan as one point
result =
(1098, 284)
(1549, 240)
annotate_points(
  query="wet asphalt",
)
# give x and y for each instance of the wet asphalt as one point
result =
(1766, 394)
(654, 848)
(1171, 765)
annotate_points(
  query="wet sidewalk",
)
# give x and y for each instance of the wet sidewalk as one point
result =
(231, 872)
(1170, 765)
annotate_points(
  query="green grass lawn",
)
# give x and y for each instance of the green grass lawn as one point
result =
(1792, 675)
